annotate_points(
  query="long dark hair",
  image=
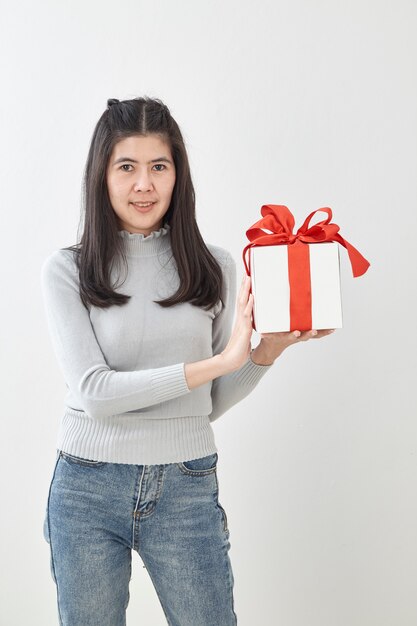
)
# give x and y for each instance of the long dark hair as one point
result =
(200, 274)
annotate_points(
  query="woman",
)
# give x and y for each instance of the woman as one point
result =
(140, 316)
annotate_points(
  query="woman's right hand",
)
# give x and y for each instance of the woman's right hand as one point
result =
(239, 346)
(237, 350)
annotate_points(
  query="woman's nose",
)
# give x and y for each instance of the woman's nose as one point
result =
(143, 181)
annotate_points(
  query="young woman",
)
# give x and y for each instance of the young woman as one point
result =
(140, 315)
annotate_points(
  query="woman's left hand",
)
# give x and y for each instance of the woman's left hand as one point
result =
(273, 344)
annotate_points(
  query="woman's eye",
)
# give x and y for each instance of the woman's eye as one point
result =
(128, 165)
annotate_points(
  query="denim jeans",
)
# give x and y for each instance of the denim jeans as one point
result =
(98, 512)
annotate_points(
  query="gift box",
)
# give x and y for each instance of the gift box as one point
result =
(295, 278)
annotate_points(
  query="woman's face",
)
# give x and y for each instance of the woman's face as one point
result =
(140, 170)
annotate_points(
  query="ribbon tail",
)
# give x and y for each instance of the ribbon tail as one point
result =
(358, 262)
(248, 272)
(246, 264)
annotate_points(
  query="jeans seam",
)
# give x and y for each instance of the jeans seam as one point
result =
(158, 492)
(50, 540)
(224, 515)
(136, 509)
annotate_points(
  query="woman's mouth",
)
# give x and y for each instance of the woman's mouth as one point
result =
(143, 207)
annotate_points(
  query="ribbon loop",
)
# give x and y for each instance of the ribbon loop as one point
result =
(306, 223)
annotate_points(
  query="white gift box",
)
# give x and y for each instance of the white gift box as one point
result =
(270, 286)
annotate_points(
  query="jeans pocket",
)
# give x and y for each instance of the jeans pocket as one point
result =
(77, 460)
(200, 467)
(225, 523)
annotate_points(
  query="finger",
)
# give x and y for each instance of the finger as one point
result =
(297, 335)
(249, 305)
(324, 332)
(244, 291)
(316, 334)
(245, 280)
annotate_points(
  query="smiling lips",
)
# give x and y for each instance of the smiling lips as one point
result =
(142, 206)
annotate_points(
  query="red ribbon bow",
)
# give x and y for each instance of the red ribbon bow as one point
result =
(279, 219)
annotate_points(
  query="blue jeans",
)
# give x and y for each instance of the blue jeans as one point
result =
(98, 512)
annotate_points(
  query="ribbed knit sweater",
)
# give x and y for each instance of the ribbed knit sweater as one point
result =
(128, 400)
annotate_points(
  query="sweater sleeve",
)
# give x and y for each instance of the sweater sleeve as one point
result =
(231, 388)
(99, 390)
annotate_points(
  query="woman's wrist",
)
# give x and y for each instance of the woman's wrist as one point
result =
(261, 355)
(201, 372)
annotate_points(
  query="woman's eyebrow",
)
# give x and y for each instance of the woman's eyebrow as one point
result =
(162, 158)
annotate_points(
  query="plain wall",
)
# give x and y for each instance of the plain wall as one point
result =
(303, 103)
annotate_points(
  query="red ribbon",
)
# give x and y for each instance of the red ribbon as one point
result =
(279, 219)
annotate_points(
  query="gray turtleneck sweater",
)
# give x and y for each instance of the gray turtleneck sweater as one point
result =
(128, 399)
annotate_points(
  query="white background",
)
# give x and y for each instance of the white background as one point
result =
(303, 103)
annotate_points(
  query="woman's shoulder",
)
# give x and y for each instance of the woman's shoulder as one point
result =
(62, 260)
(221, 255)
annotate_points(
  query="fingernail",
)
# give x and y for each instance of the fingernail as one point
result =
(297, 333)
(314, 332)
